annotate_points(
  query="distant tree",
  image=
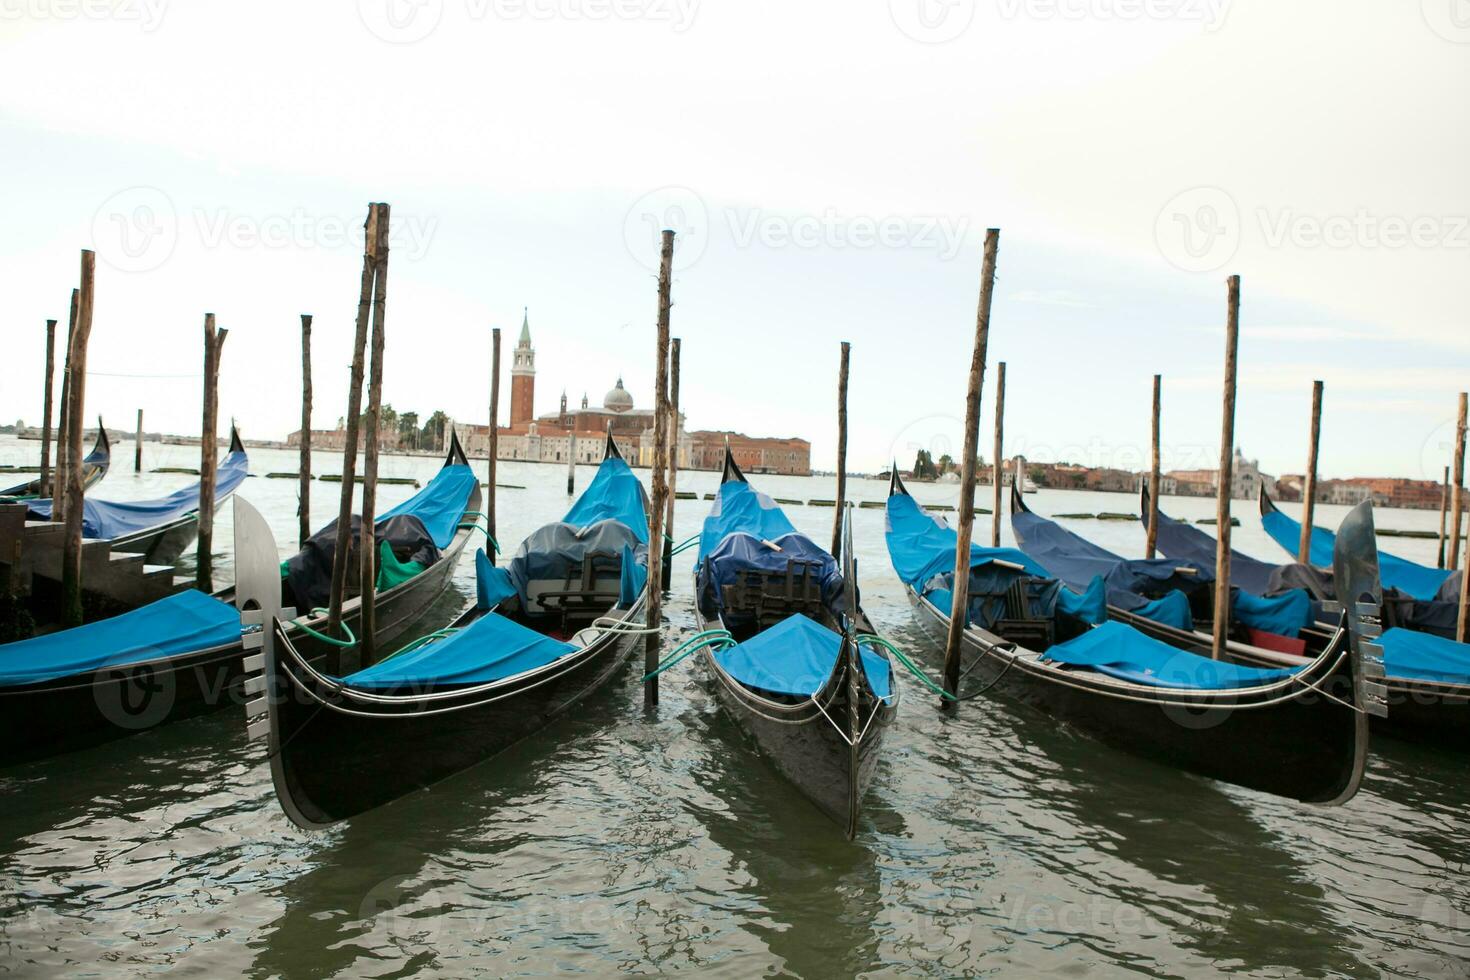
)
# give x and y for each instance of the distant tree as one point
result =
(946, 463)
(924, 468)
(408, 429)
(433, 430)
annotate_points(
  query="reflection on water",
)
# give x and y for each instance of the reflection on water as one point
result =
(992, 840)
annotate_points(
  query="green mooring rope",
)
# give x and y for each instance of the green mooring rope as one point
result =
(351, 640)
(703, 638)
(913, 668)
(472, 525)
(684, 545)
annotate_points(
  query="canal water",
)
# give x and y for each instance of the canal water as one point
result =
(993, 840)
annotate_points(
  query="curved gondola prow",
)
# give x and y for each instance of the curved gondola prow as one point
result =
(455, 456)
(237, 445)
(1143, 507)
(731, 471)
(895, 483)
(1018, 505)
(1268, 506)
(610, 449)
(102, 448)
(1360, 593)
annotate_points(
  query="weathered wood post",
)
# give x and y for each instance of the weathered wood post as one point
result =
(572, 462)
(493, 449)
(959, 610)
(660, 487)
(668, 559)
(1151, 544)
(1464, 613)
(354, 410)
(1309, 486)
(303, 492)
(138, 445)
(367, 545)
(841, 450)
(71, 558)
(45, 478)
(1457, 488)
(1444, 503)
(999, 449)
(1227, 471)
(63, 434)
(209, 452)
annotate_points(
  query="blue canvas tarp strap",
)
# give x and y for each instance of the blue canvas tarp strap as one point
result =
(183, 623)
(1419, 581)
(921, 545)
(491, 648)
(615, 493)
(441, 504)
(1420, 656)
(795, 658)
(1283, 614)
(1183, 541)
(1121, 651)
(107, 519)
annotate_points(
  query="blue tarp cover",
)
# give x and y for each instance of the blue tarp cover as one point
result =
(1185, 542)
(493, 584)
(1090, 606)
(1075, 560)
(441, 504)
(1284, 614)
(1171, 609)
(615, 494)
(630, 583)
(489, 649)
(739, 508)
(1419, 581)
(1119, 650)
(182, 623)
(112, 519)
(922, 546)
(795, 657)
(740, 552)
(1420, 656)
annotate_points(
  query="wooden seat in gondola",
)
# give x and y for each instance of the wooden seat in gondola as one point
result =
(1021, 625)
(764, 599)
(586, 593)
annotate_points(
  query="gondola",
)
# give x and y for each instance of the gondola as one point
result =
(544, 633)
(94, 467)
(1427, 673)
(815, 702)
(183, 655)
(159, 529)
(1030, 638)
(1409, 577)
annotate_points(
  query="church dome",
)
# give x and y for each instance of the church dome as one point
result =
(618, 400)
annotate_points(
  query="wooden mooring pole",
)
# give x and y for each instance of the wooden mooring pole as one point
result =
(841, 451)
(45, 479)
(367, 546)
(303, 492)
(660, 487)
(138, 444)
(63, 435)
(1227, 471)
(999, 450)
(493, 448)
(1464, 613)
(1151, 542)
(1309, 486)
(959, 610)
(1444, 503)
(668, 559)
(214, 341)
(71, 559)
(1457, 488)
(354, 409)
(572, 464)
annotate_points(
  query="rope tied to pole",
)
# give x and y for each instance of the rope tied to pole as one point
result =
(348, 643)
(700, 640)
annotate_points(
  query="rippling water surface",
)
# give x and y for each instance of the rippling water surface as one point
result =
(993, 840)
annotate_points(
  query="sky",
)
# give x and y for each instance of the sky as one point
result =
(830, 169)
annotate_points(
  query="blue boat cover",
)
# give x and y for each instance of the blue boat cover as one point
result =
(1121, 651)
(634, 575)
(1420, 656)
(795, 658)
(1075, 560)
(489, 649)
(740, 509)
(441, 504)
(493, 584)
(1419, 581)
(615, 494)
(1170, 609)
(740, 552)
(1185, 542)
(1090, 606)
(1284, 614)
(182, 623)
(922, 546)
(107, 519)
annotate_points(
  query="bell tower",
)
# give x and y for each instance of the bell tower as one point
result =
(523, 375)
